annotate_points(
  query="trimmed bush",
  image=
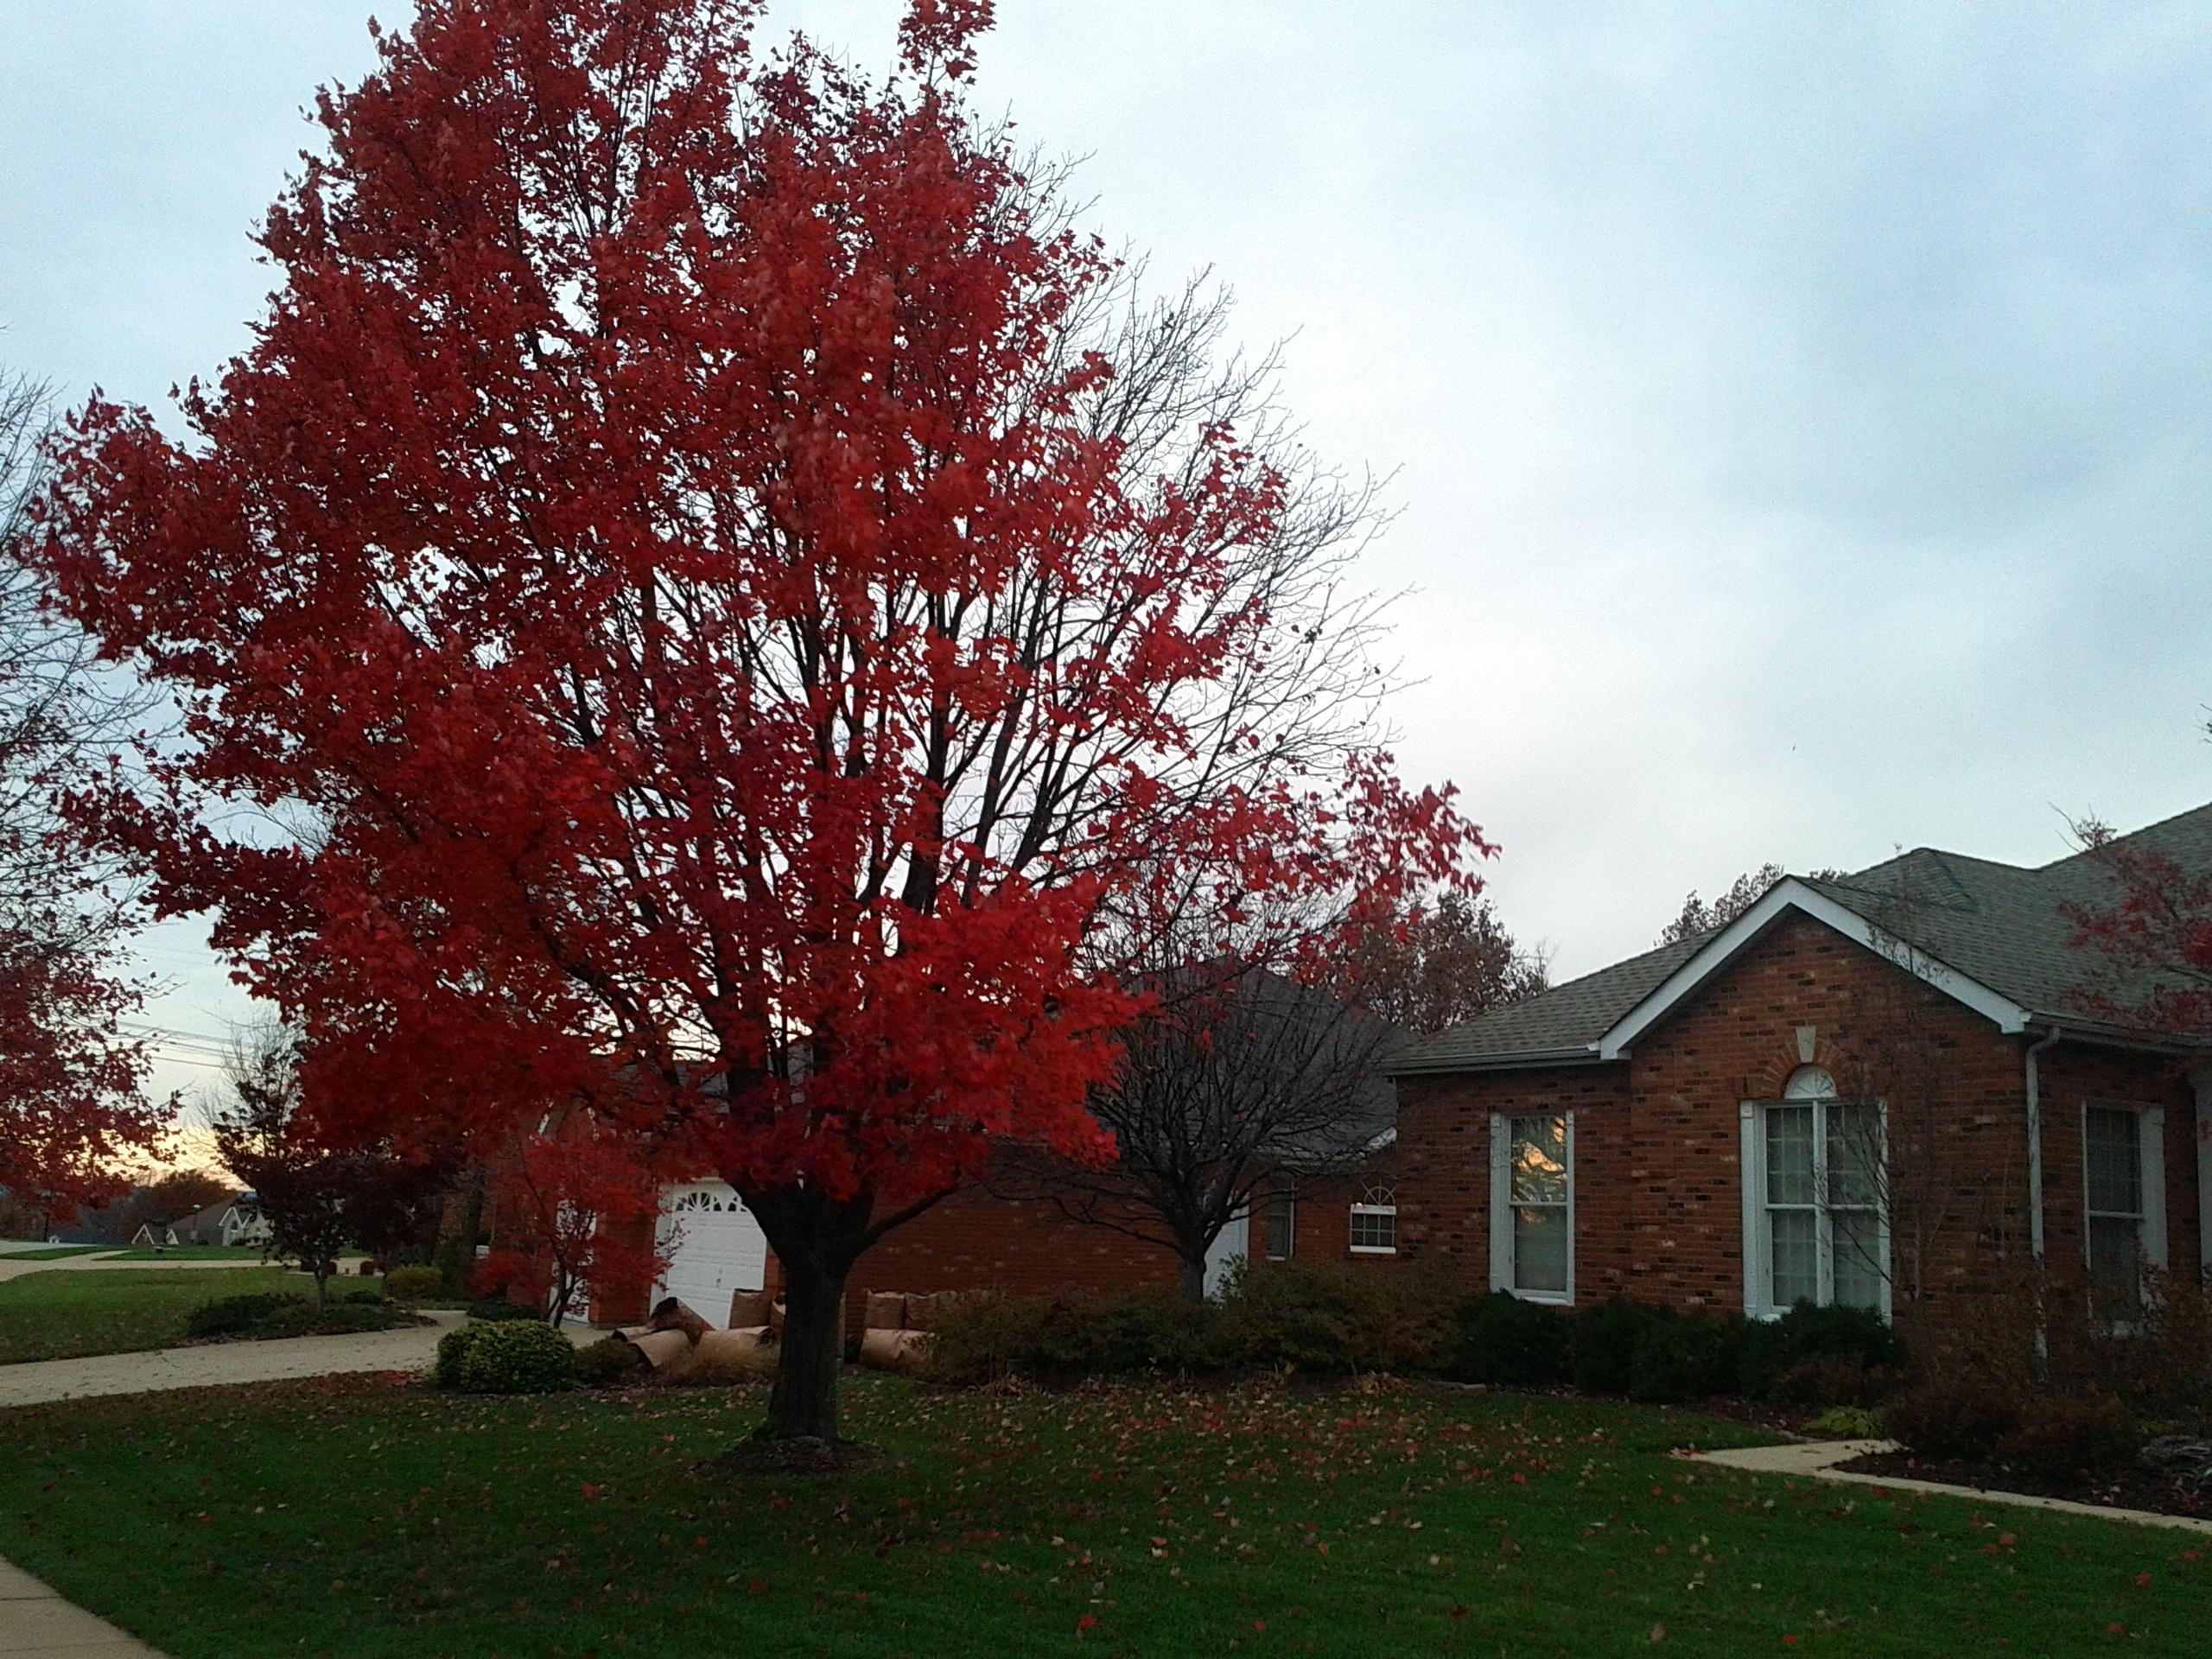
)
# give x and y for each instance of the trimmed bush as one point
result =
(414, 1284)
(1846, 1423)
(611, 1363)
(493, 1309)
(445, 1370)
(1316, 1319)
(1601, 1349)
(1774, 1348)
(1680, 1357)
(1515, 1343)
(236, 1316)
(2062, 1436)
(1334, 1319)
(1834, 1380)
(512, 1358)
(1963, 1414)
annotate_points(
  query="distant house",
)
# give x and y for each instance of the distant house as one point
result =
(231, 1222)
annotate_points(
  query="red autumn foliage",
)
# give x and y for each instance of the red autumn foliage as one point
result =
(762, 622)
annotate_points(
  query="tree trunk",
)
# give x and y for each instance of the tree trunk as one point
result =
(804, 1403)
(1192, 1280)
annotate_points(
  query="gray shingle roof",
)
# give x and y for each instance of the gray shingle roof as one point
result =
(2004, 926)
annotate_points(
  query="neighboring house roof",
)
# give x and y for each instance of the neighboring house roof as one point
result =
(1996, 936)
(204, 1225)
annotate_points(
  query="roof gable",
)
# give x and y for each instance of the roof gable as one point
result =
(1996, 938)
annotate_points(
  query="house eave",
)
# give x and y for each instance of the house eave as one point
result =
(1520, 1060)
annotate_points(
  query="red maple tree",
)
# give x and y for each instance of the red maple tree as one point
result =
(749, 618)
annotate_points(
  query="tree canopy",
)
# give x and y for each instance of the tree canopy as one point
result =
(742, 615)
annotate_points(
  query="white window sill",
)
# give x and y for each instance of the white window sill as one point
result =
(1545, 1298)
(1373, 1250)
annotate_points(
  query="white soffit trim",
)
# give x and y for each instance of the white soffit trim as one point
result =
(1787, 894)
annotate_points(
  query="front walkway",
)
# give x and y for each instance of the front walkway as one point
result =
(1818, 1459)
(37, 1623)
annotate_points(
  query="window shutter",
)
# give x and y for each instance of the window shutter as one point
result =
(1501, 1211)
(2153, 1141)
(1753, 1170)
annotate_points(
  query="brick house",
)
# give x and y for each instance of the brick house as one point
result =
(1895, 1089)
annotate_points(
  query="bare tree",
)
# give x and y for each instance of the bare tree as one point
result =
(1240, 1080)
(70, 1105)
(1442, 966)
(1904, 1142)
(1698, 917)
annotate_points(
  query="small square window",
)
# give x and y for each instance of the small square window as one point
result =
(1374, 1221)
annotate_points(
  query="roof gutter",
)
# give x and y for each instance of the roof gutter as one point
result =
(2035, 1140)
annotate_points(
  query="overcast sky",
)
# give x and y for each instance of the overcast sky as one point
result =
(1798, 414)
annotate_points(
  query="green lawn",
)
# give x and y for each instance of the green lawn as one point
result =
(362, 1516)
(54, 1252)
(190, 1253)
(66, 1313)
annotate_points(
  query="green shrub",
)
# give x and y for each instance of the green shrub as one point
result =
(414, 1284)
(1683, 1356)
(1961, 1414)
(1335, 1319)
(611, 1363)
(1834, 1380)
(512, 1358)
(1774, 1347)
(235, 1316)
(1846, 1423)
(1504, 1340)
(1316, 1319)
(2061, 1436)
(445, 1370)
(495, 1310)
(1601, 1348)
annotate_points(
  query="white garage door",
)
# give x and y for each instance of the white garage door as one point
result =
(714, 1246)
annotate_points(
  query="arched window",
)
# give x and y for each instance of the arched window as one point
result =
(1808, 1083)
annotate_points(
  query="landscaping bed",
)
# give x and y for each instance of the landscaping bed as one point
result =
(2122, 1486)
(375, 1518)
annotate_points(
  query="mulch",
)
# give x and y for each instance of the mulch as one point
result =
(2129, 1487)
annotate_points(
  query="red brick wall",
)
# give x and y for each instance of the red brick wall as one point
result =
(971, 1241)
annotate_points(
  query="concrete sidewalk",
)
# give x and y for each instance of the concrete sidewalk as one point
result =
(35, 1623)
(215, 1364)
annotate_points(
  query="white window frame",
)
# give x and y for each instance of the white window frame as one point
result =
(2150, 1164)
(1758, 1252)
(1503, 1266)
(1280, 1249)
(1370, 1205)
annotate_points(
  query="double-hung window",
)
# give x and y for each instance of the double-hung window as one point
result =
(1813, 1226)
(1532, 1205)
(1375, 1220)
(2123, 1166)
